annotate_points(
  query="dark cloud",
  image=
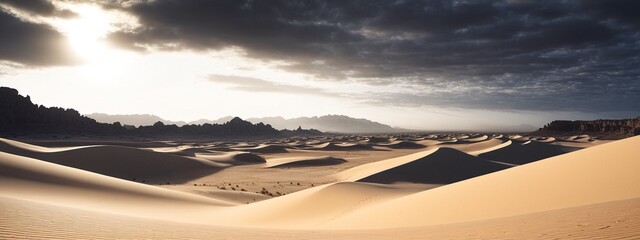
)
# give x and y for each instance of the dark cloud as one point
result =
(38, 7)
(569, 55)
(278, 28)
(31, 43)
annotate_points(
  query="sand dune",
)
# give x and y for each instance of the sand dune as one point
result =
(311, 207)
(476, 138)
(462, 136)
(443, 166)
(378, 140)
(8, 145)
(447, 139)
(30, 220)
(429, 142)
(298, 144)
(526, 152)
(594, 175)
(544, 139)
(330, 146)
(546, 199)
(514, 137)
(578, 138)
(35, 180)
(403, 145)
(237, 197)
(303, 161)
(365, 170)
(264, 148)
(485, 147)
(76, 143)
(580, 144)
(188, 151)
(476, 147)
(121, 162)
(232, 157)
(242, 145)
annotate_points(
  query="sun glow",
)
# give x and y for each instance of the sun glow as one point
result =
(87, 31)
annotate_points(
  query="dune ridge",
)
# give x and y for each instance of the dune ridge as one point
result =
(118, 161)
(35, 180)
(475, 147)
(362, 171)
(232, 157)
(445, 165)
(312, 207)
(560, 182)
(403, 145)
(526, 152)
(303, 161)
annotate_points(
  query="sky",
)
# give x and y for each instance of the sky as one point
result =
(424, 65)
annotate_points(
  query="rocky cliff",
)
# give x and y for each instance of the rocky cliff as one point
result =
(608, 128)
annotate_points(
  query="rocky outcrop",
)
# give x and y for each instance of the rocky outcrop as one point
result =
(610, 128)
(20, 117)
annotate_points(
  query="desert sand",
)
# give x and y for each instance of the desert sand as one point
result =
(462, 186)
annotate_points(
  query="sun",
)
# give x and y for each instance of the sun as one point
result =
(87, 31)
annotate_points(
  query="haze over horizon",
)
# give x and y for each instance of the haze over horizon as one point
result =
(424, 65)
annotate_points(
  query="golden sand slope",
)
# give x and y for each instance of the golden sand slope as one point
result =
(608, 172)
(30, 220)
(311, 207)
(116, 161)
(35, 180)
(590, 193)
(362, 171)
(474, 148)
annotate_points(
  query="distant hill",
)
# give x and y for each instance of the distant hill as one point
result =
(217, 121)
(21, 117)
(329, 123)
(606, 128)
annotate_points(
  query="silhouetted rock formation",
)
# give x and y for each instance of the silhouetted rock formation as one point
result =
(605, 128)
(133, 119)
(20, 117)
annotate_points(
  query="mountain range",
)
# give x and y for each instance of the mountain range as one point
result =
(326, 123)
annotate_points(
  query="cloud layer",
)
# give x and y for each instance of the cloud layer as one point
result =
(250, 84)
(509, 54)
(536, 55)
(32, 44)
